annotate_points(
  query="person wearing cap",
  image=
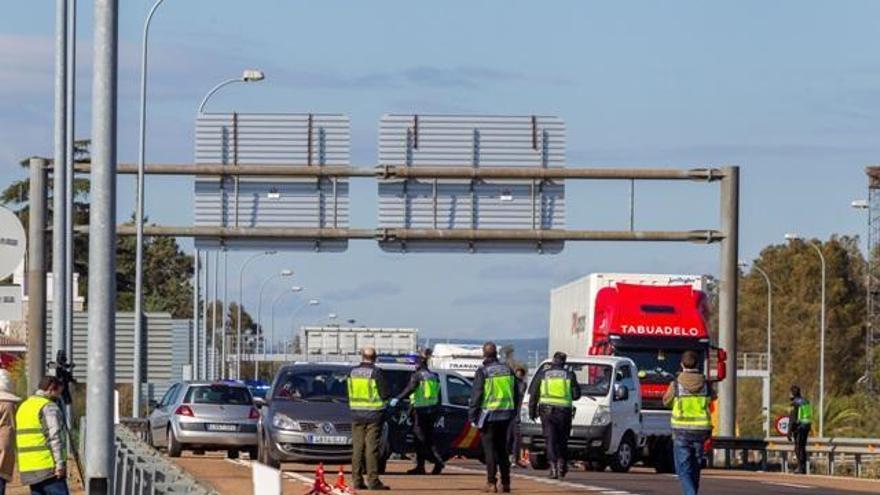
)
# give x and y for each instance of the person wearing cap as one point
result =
(368, 394)
(491, 409)
(8, 404)
(423, 392)
(799, 424)
(551, 394)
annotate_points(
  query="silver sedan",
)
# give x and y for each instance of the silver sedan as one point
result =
(203, 416)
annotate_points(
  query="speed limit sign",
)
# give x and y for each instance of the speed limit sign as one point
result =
(782, 425)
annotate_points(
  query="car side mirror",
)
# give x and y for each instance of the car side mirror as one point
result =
(259, 402)
(621, 393)
(153, 404)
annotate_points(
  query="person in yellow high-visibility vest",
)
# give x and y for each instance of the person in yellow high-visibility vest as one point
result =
(800, 421)
(551, 396)
(367, 396)
(689, 395)
(423, 391)
(39, 436)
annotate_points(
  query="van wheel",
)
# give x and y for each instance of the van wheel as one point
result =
(174, 447)
(538, 460)
(623, 459)
(232, 454)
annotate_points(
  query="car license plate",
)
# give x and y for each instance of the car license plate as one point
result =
(222, 427)
(329, 440)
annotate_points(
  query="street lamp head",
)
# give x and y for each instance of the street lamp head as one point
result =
(861, 204)
(314, 302)
(297, 288)
(793, 237)
(332, 316)
(252, 75)
(286, 272)
(270, 252)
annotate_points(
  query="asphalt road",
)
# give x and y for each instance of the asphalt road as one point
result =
(233, 477)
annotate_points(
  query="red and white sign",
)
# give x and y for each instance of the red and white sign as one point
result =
(782, 425)
(660, 330)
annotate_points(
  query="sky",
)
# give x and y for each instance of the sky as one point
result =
(787, 90)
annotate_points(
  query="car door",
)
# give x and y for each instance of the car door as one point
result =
(453, 430)
(625, 413)
(159, 416)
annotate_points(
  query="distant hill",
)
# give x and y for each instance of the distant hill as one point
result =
(525, 350)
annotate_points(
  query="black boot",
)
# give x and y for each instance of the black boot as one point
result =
(554, 474)
(562, 469)
(418, 470)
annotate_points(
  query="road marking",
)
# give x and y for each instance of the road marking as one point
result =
(790, 485)
(546, 481)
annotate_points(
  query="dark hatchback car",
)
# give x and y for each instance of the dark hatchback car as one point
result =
(305, 415)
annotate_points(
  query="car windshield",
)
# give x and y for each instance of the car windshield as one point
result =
(397, 380)
(218, 394)
(594, 379)
(657, 365)
(326, 384)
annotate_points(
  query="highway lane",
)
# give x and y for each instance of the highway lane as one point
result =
(233, 477)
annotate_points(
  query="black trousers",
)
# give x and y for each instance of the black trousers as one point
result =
(556, 426)
(423, 430)
(514, 439)
(493, 436)
(801, 433)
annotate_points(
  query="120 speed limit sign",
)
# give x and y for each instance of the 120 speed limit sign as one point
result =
(782, 425)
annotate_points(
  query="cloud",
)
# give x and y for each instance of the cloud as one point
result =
(364, 291)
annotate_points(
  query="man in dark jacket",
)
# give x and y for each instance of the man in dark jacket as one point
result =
(514, 437)
(492, 408)
(689, 395)
(367, 395)
(799, 424)
(551, 395)
(423, 390)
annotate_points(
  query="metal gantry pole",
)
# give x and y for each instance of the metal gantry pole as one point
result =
(36, 335)
(69, 164)
(195, 322)
(223, 373)
(727, 297)
(203, 343)
(59, 181)
(99, 451)
(215, 286)
(138, 364)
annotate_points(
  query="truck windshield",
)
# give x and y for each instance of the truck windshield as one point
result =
(656, 365)
(594, 379)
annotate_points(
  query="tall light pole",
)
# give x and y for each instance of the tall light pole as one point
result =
(249, 75)
(815, 245)
(240, 308)
(867, 379)
(293, 290)
(283, 273)
(310, 302)
(70, 126)
(59, 182)
(766, 278)
(139, 225)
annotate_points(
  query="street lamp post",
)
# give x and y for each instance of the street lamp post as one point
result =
(283, 273)
(310, 302)
(793, 237)
(293, 290)
(766, 278)
(240, 306)
(863, 204)
(249, 75)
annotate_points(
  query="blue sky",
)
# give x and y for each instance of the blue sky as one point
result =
(788, 90)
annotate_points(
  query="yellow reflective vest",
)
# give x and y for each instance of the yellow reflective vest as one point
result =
(32, 445)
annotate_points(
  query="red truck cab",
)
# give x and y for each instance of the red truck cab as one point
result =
(653, 326)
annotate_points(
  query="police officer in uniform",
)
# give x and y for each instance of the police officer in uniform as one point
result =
(550, 396)
(492, 408)
(39, 437)
(689, 395)
(799, 424)
(423, 391)
(367, 395)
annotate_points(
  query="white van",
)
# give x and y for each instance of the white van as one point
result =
(607, 424)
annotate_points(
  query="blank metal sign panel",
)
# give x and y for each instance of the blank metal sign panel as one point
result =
(471, 141)
(280, 139)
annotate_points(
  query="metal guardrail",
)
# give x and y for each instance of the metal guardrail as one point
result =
(830, 453)
(141, 470)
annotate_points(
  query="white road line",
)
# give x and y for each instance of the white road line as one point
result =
(564, 484)
(790, 485)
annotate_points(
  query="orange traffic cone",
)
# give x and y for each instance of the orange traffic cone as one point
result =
(320, 487)
(340, 482)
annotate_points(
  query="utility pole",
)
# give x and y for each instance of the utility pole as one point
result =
(36, 255)
(59, 181)
(727, 297)
(195, 320)
(99, 452)
(70, 119)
